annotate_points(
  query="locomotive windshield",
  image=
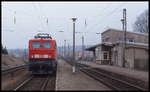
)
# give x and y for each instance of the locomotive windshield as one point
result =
(46, 44)
(35, 44)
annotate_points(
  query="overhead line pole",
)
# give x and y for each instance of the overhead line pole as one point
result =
(82, 47)
(64, 48)
(125, 29)
(125, 26)
(124, 36)
(62, 51)
(68, 50)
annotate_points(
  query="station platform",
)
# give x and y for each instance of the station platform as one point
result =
(67, 80)
(141, 75)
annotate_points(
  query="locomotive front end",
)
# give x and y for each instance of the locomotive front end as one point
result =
(42, 55)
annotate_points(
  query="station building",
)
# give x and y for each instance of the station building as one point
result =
(110, 50)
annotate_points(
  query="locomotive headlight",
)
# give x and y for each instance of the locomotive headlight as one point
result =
(50, 56)
(36, 56)
(45, 56)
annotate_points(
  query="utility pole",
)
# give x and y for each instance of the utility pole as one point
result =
(122, 55)
(25, 56)
(74, 20)
(125, 26)
(124, 37)
(14, 17)
(62, 51)
(68, 50)
(82, 47)
(64, 48)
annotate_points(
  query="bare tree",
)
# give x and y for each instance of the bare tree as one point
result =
(141, 24)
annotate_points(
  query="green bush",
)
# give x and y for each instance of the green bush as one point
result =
(4, 50)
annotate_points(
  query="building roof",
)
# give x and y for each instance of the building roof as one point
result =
(92, 47)
(97, 45)
(112, 29)
(130, 44)
(112, 44)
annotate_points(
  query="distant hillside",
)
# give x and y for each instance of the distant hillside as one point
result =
(70, 48)
(21, 53)
(9, 61)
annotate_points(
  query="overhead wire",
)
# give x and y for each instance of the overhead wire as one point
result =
(38, 15)
(104, 21)
(112, 13)
(109, 14)
(53, 33)
(44, 17)
(100, 14)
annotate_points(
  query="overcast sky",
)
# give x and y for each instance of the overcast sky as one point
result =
(31, 19)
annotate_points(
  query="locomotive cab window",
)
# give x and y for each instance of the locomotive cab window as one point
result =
(47, 44)
(35, 44)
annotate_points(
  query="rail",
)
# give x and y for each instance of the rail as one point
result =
(13, 69)
(108, 80)
(26, 85)
(23, 83)
(45, 84)
(112, 82)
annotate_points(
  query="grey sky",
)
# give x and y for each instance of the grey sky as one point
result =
(31, 19)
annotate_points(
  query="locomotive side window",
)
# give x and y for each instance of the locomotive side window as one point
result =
(35, 44)
(46, 44)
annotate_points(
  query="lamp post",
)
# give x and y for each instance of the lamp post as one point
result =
(74, 20)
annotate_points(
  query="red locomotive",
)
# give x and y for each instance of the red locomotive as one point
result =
(42, 54)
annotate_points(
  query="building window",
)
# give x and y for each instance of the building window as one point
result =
(127, 39)
(130, 39)
(120, 39)
(103, 40)
(105, 55)
(97, 52)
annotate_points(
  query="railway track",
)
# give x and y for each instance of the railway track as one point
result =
(35, 83)
(110, 81)
(13, 76)
(14, 69)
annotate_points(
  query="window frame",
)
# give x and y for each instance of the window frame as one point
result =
(49, 42)
(107, 53)
(127, 39)
(32, 44)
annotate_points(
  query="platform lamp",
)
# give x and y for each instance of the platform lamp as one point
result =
(74, 20)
